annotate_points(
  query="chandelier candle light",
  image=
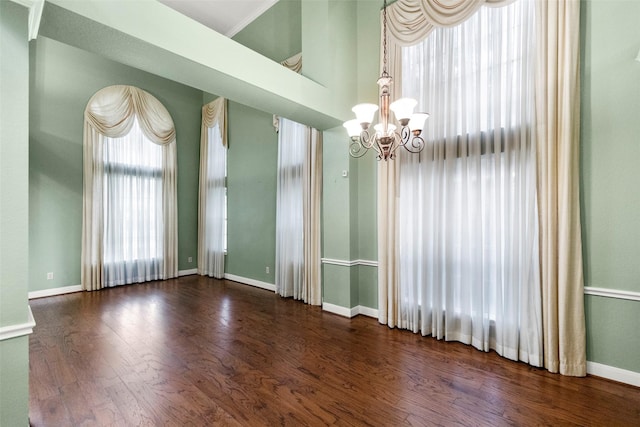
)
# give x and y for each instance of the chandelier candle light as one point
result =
(386, 140)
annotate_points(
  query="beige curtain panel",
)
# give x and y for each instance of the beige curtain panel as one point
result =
(557, 101)
(558, 115)
(312, 283)
(111, 113)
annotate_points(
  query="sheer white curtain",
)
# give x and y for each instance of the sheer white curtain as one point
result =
(212, 194)
(289, 209)
(133, 214)
(299, 184)
(129, 218)
(467, 214)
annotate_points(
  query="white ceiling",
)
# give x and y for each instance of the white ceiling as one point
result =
(227, 17)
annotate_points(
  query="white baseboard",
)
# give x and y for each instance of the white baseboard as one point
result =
(349, 312)
(19, 330)
(251, 282)
(613, 373)
(55, 291)
(368, 311)
(187, 272)
(337, 309)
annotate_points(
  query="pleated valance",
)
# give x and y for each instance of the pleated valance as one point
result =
(410, 21)
(112, 110)
(215, 112)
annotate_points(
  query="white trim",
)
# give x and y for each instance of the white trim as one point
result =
(251, 282)
(35, 15)
(338, 309)
(613, 373)
(350, 312)
(19, 330)
(612, 293)
(187, 272)
(266, 4)
(346, 263)
(55, 291)
(368, 311)
(338, 262)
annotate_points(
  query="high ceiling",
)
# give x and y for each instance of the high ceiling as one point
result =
(226, 17)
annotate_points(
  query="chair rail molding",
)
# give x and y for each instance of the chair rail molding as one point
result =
(612, 293)
(20, 329)
(345, 263)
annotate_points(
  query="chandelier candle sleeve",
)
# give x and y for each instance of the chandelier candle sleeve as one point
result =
(386, 140)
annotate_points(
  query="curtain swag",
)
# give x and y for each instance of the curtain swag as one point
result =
(212, 113)
(112, 110)
(410, 21)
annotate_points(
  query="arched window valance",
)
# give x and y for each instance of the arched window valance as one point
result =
(111, 112)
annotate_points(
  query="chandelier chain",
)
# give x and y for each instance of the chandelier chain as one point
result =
(384, 38)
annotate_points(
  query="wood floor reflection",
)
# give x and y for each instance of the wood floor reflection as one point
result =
(199, 352)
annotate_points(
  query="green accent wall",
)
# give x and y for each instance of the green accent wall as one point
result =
(14, 211)
(609, 178)
(251, 193)
(277, 33)
(62, 81)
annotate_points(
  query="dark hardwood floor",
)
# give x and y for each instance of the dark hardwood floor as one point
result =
(201, 352)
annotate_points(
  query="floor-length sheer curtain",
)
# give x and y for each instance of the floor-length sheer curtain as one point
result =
(468, 233)
(212, 193)
(129, 225)
(555, 141)
(297, 269)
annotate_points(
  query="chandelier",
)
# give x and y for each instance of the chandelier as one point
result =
(385, 139)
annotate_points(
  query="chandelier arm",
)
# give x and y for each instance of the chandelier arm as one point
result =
(366, 140)
(356, 149)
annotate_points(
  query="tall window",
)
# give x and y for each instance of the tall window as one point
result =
(133, 214)
(467, 209)
(212, 211)
(292, 148)
(298, 196)
(129, 221)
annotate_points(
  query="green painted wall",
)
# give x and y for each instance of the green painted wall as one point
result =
(356, 81)
(338, 288)
(62, 80)
(277, 33)
(14, 208)
(609, 158)
(251, 193)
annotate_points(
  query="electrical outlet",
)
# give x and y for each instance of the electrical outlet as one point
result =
(49, 276)
(190, 259)
(266, 270)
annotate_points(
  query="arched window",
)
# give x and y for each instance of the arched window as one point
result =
(129, 228)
